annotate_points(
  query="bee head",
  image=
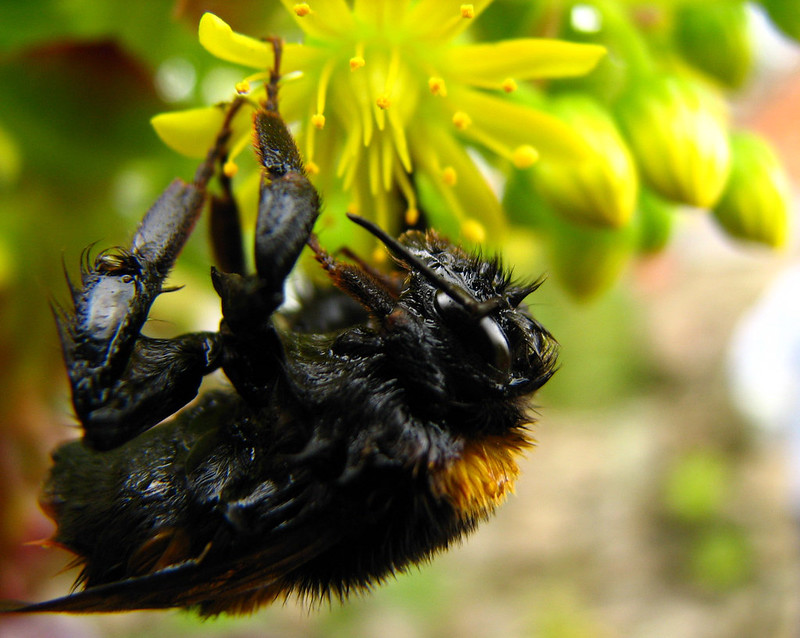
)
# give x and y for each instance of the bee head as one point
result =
(480, 330)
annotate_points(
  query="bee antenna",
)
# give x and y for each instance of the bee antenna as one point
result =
(477, 308)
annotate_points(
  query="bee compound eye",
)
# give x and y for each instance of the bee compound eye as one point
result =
(495, 344)
(484, 335)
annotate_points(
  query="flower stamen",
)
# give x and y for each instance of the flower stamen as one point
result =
(461, 120)
(524, 156)
(350, 157)
(374, 169)
(246, 85)
(301, 9)
(322, 88)
(230, 168)
(409, 194)
(384, 100)
(473, 231)
(387, 161)
(358, 61)
(318, 121)
(400, 140)
(510, 85)
(437, 86)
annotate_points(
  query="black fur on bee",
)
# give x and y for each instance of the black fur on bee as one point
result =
(351, 444)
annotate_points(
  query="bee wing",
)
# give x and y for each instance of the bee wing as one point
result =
(238, 583)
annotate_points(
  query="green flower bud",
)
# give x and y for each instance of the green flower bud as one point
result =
(785, 14)
(600, 190)
(588, 261)
(756, 202)
(585, 261)
(654, 218)
(715, 38)
(678, 137)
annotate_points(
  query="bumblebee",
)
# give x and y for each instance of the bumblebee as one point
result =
(355, 439)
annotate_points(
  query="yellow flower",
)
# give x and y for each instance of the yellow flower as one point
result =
(385, 93)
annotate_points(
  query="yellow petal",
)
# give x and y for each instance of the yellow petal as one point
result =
(490, 64)
(514, 125)
(223, 42)
(192, 132)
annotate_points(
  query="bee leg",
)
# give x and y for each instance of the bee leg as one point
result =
(289, 204)
(226, 229)
(371, 289)
(288, 207)
(123, 382)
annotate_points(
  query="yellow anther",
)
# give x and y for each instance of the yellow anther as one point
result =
(383, 102)
(524, 156)
(437, 86)
(473, 231)
(318, 120)
(230, 168)
(356, 62)
(510, 85)
(243, 87)
(301, 9)
(449, 176)
(461, 120)
(412, 216)
(379, 255)
(312, 168)
(467, 11)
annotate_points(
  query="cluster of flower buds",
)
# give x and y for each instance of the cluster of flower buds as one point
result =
(655, 114)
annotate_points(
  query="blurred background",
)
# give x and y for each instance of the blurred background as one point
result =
(663, 498)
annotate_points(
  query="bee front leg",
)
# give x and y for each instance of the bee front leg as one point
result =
(288, 207)
(123, 382)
